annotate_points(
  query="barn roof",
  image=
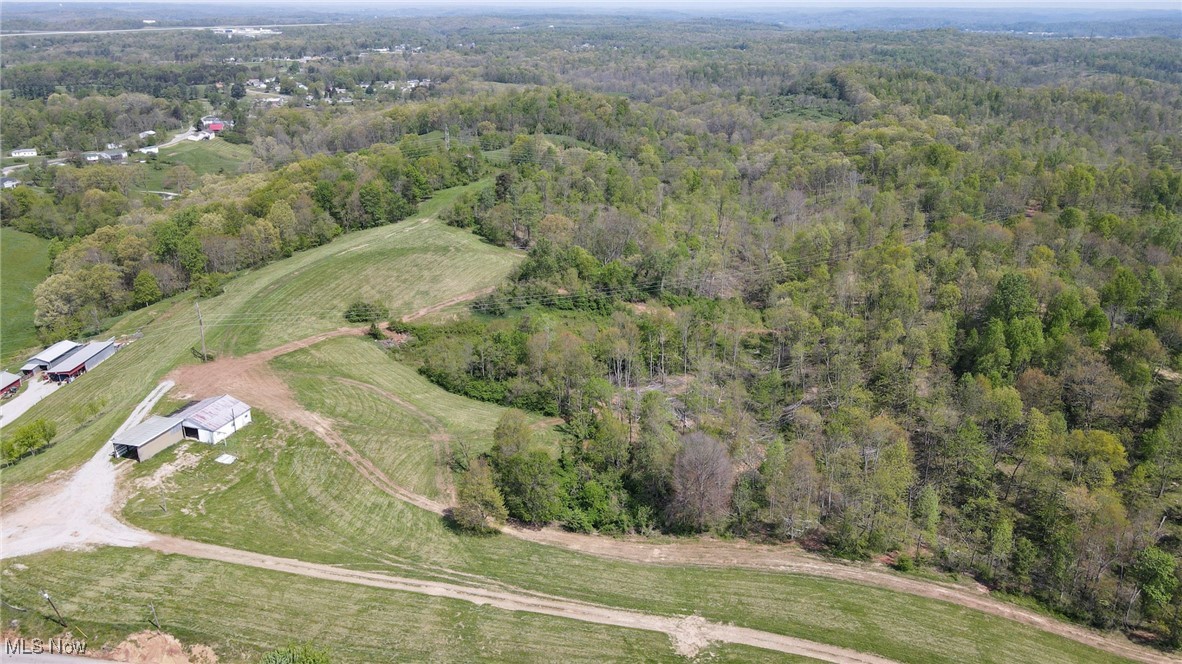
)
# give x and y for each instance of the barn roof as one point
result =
(213, 413)
(54, 352)
(83, 356)
(146, 431)
(7, 379)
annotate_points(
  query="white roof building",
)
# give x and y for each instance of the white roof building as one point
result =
(51, 356)
(214, 419)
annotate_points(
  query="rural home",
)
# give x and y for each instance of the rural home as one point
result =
(151, 149)
(90, 157)
(10, 183)
(9, 383)
(85, 359)
(50, 356)
(24, 152)
(145, 134)
(209, 421)
(113, 155)
(214, 123)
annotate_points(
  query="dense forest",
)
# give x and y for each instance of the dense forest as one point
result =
(912, 298)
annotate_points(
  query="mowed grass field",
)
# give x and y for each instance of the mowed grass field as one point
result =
(414, 263)
(24, 263)
(204, 157)
(243, 612)
(403, 423)
(291, 495)
(404, 266)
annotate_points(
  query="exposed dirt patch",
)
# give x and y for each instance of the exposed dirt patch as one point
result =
(160, 648)
(690, 636)
(184, 461)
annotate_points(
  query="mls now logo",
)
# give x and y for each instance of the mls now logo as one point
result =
(44, 646)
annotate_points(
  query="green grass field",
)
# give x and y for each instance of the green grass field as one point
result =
(290, 495)
(24, 263)
(242, 612)
(204, 157)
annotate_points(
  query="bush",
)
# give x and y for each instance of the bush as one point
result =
(903, 563)
(304, 654)
(366, 312)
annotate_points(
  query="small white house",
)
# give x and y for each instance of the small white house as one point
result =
(145, 134)
(24, 152)
(10, 183)
(151, 149)
(214, 419)
(90, 157)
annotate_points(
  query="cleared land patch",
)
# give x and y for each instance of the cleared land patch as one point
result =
(204, 157)
(106, 593)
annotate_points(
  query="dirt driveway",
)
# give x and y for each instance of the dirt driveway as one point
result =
(80, 511)
(34, 392)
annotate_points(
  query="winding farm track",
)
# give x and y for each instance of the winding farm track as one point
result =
(689, 634)
(250, 375)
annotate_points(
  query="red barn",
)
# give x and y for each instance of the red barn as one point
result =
(9, 383)
(216, 126)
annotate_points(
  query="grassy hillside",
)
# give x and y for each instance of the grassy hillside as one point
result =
(204, 157)
(407, 265)
(24, 263)
(291, 495)
(105, 593)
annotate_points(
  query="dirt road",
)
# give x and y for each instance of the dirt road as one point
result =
(251, 375)
(450, 302)
(80, 512)
(689, 634)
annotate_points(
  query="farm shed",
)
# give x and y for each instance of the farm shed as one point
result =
(148, 438)
(9, 382)
(50, 356)
(86, 358)
(214, 419)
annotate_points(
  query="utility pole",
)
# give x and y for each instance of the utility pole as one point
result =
(201, 325)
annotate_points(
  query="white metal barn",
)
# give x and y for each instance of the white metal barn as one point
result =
(214, 419)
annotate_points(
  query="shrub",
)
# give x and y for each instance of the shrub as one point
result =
(904, 563)
(366, 312)
(304, 654)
